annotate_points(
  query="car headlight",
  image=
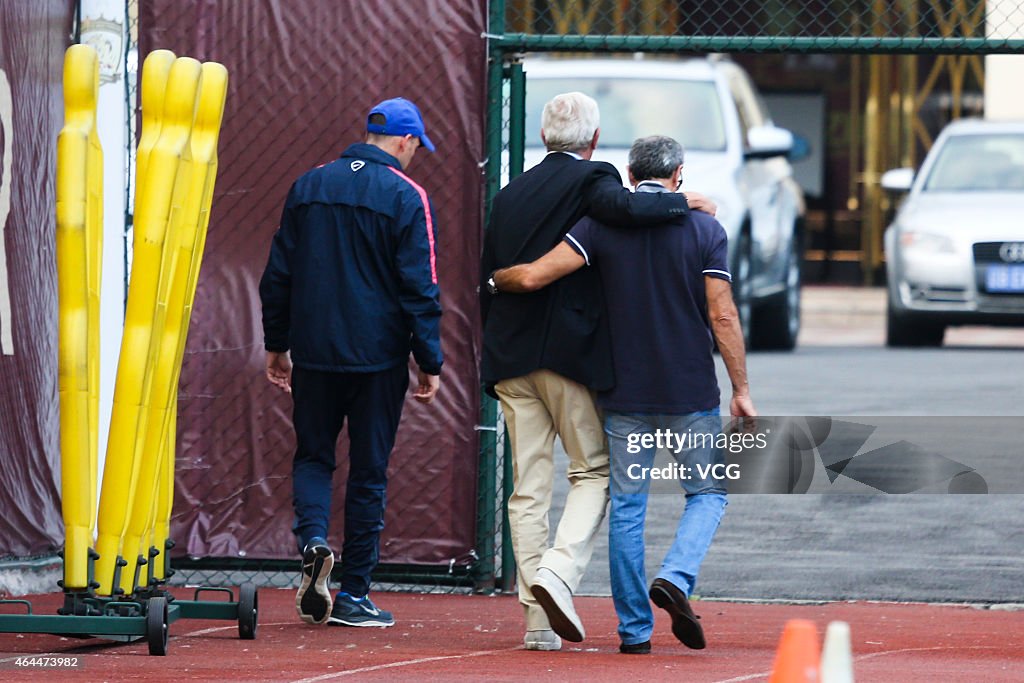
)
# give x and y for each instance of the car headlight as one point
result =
(926, 241)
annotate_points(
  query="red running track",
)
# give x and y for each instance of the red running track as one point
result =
(479, 638)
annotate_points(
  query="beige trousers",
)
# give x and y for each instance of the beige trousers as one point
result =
(537, 406)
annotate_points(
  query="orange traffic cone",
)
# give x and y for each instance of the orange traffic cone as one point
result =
(799, 655)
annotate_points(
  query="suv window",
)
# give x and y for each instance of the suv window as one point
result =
(688, 111)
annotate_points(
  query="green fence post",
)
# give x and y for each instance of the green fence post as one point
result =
(484, 569)
(516, 117)
(516, 153)
(495, 105)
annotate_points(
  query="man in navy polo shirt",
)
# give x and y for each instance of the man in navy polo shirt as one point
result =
(667, 289)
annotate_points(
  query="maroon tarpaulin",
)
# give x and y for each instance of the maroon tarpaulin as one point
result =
(302, 77)
(33, 37)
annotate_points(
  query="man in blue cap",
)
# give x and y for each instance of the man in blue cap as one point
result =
(350, 288)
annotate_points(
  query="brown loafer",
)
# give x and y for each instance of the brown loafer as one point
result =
(685, 626)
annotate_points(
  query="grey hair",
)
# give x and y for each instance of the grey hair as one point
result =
(655, 157)
(569, 122)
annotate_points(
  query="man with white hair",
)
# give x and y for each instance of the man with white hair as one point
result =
(547, 352)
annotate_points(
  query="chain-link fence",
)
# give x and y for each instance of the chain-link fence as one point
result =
(917, 26)
(887, 75)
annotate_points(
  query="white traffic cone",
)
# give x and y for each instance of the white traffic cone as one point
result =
(836, 657)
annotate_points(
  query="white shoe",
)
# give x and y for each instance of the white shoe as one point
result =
(546, 640)
(556, 599)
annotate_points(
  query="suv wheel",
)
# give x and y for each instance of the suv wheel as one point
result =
(903, 331)
(743, 288)
(777, 323)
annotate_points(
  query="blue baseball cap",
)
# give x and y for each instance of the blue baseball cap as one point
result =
(401, 117)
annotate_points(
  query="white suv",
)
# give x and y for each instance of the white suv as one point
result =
(734, 154)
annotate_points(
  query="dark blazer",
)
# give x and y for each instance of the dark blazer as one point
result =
(563, 327)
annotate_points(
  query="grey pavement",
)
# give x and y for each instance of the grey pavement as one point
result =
(931, 548)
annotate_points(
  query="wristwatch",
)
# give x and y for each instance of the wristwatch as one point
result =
(492, 286)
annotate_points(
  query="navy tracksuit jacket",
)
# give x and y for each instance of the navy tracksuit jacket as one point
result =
(351, 282)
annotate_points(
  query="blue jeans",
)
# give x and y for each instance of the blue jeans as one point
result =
(705, 504)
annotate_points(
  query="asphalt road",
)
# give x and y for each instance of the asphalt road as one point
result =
(934, 548)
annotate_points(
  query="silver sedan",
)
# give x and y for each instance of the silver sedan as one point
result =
(955, 251)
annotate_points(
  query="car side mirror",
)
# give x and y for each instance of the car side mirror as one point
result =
(898, 180)
(801, 148)
(765, 142)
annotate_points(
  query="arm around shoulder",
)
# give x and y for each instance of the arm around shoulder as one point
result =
(529, 277)
(611, 203)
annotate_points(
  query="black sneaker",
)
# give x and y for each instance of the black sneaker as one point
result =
(349, 611)
(313, 601)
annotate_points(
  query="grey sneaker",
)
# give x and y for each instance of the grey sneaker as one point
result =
(313, 601)
(546, 640)
(556, 599)
(349, 611)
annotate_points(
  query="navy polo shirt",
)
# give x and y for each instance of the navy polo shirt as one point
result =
(653, 281)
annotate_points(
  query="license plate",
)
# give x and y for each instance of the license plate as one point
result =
(1000, 278)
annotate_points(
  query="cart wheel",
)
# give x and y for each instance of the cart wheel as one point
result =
(248, 611)
(156, 626)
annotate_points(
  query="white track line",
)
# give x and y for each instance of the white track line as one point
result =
(872, 655)
(395, 665)
(215, 629)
